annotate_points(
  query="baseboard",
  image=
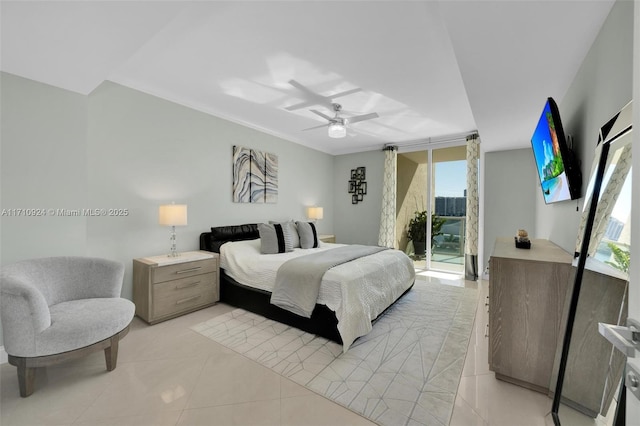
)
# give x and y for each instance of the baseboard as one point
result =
(4, 357)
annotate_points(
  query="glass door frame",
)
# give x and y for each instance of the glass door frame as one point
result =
(430, 189)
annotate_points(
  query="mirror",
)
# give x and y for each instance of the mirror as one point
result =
(589, 369)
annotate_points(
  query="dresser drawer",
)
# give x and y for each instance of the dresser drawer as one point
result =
(176, 296)
(183, 270)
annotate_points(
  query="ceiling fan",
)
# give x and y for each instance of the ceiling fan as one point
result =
(338, 125)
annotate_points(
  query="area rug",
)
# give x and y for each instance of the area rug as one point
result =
(404, 372)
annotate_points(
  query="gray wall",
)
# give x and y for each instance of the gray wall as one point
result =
(119, 148)
(358, 223)
(43, 145)
(511, 188)
(602, 86)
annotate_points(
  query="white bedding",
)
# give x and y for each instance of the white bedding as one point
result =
(367, 285)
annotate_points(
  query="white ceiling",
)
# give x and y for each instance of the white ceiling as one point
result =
(430, 69)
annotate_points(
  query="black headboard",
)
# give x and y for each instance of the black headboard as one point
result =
(211, 241)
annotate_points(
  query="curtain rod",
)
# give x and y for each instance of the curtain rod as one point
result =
(459, 137)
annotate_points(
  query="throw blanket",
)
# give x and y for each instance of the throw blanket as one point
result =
(298, 280)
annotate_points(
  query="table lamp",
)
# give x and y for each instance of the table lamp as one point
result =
(314, 213)
(173, 215)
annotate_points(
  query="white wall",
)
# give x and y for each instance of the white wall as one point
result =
(358, 223)
(602, 86)
(511, 188)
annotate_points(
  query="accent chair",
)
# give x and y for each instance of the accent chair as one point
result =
(59, 308)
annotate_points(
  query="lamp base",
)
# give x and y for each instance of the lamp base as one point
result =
(172, 239)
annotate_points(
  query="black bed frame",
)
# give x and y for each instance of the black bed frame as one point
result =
(323, 321)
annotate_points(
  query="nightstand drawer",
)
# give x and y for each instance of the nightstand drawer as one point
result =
(175, 296)
(183, 270)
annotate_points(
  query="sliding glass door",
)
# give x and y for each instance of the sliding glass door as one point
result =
(449, 208)
(432, 207)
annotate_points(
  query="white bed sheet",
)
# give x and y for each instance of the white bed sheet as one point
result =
(357, 291)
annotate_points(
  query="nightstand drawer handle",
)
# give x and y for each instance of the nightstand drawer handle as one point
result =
(186, 271)
(187, 285)
(188, 299)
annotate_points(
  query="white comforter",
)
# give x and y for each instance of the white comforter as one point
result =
(357, 291)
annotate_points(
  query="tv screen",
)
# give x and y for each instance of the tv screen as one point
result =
(560, 178)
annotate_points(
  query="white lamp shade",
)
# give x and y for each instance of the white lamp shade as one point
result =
(314, 213)
(337, 130)
(172, 214)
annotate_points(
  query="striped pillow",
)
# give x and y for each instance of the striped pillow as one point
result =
(291, 225)
(308, 235)
(274, 238)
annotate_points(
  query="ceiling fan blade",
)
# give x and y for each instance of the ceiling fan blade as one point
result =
(316, 98)
(325, 116)
(300, 105)
(345, 93)
(357, 118)
(315, 127)
(310, 93)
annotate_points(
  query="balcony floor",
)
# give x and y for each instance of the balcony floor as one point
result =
(446, 262)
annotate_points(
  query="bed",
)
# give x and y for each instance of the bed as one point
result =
(351, 297)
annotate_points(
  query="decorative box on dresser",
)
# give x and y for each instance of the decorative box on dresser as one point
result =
(527, 289)
(166, 287)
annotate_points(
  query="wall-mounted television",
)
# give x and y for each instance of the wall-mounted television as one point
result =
(559, 173)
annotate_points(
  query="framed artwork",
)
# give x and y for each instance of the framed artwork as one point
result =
(255, 176)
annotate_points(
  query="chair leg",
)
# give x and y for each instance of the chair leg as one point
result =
(111, 354)
(26, 378)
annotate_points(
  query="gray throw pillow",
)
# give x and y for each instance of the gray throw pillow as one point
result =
(308, 235)
(274, 238)
(293, 231)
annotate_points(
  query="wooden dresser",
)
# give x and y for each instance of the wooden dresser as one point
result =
(166, 287)
(527, 289)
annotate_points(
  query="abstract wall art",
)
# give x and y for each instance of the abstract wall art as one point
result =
(357, 185)
(255, 176)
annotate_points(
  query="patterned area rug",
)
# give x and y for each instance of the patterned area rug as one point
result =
(404, 372)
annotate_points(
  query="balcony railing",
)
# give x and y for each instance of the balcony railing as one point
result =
(449, 245)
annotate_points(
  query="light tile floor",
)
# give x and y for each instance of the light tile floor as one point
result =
(168, 374)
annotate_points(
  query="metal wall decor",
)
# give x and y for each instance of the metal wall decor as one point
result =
(357, 184)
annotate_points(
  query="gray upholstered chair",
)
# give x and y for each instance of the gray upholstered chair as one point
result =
(58, 308)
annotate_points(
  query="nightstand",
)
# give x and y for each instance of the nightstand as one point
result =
(326, 238)
(166, 287)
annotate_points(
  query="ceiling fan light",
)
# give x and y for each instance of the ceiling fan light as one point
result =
(337, 130)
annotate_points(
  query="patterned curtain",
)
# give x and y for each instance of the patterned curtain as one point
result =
(471, 232)
(609, 196)
(387, 236)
